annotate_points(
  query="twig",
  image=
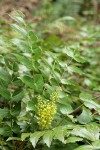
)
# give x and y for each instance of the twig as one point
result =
(70, 114)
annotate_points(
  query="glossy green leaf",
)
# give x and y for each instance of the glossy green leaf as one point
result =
(32, 36)
(4, 113)
(85, 117)
(4, 92)
(18, 19)
(85, 96)
(66, 82)
(15, 111)
(24, 60)
(70, 52)
(96, 144)
(92, 105)
(19, 29)
(24, 136)
(37, 52)
(79, 59)
(20, 13)
(85, 147)
(18, 97)
(66, 109)
(14, 139)
(75, 69)
(48, 137)
(59, 134)
(35, 137)
(73, 139)
(5, 131)
(31, 106)
(38, 80)
(28, 81)
(5, 76)
(87, 132)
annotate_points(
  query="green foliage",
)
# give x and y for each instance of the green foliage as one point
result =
(34, 69)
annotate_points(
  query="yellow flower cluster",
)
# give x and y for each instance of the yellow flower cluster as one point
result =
(54, 97)
(47, 110)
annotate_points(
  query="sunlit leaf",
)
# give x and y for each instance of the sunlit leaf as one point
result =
(35, 137)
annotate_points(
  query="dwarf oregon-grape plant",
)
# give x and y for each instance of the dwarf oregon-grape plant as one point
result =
(42, 103)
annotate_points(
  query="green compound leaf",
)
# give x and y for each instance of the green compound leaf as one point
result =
(90, 132)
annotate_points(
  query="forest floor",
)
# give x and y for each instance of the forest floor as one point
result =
(9, 6)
